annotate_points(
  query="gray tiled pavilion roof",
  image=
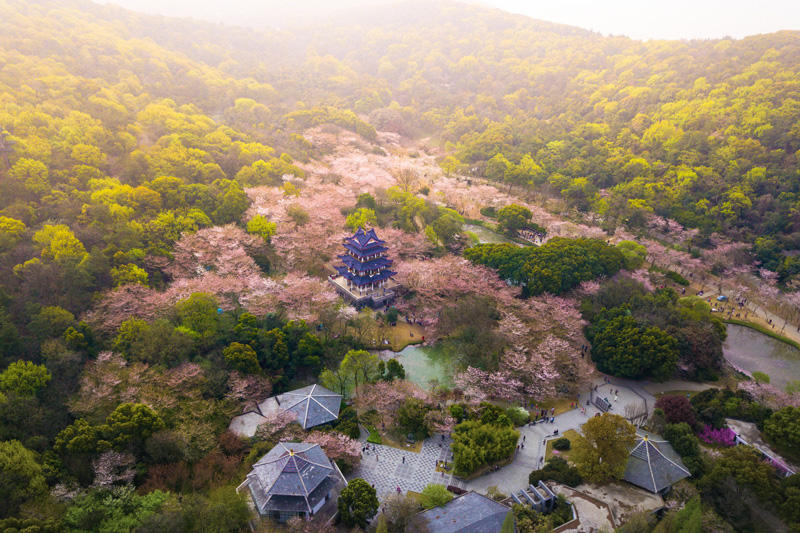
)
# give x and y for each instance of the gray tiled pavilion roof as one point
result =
(468, 513)
(291, 477)
(654, 465)
(314, 405)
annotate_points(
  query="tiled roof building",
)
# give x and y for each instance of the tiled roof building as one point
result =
(293, 479)
(314, 405)
(469, 513)
(654, 465)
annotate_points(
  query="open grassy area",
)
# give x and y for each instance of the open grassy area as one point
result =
(398, 336)
(390, 440)
(571, 434)
(562, 405)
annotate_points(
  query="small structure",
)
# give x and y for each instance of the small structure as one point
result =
(540, 497)
(293, 479)
(364, 276)
(654, 466)
(314, 405)
(469, 513)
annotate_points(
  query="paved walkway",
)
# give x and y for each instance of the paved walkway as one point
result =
(387, 468)
(383, 466)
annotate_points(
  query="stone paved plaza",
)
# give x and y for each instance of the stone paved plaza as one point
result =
(383, 467)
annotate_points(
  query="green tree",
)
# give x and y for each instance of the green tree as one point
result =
(24, 378)
(411, 417)
(362, 217)
(261, 226)
(21, 475)
(129, 425)
(241, 357)
(357, 503)
(601, 452)
(127, 274)
(120, 509)
(361, 366)
(434, 495)
(512, 218)
(11, 232)
(60, 244)
(782, 428)
(623, 347)
(51, 322)
(634, 254)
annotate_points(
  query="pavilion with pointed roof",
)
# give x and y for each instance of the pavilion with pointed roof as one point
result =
(653, 465)
(364, 274)
(314, 405)
(292, 479)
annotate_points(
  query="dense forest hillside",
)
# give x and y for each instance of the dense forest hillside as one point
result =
(173, 192)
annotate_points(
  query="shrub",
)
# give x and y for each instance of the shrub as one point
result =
(721, 437)
(518, 415)
(677, 409)
(558, 470)
(761, 377)
(434, 495)
(677, 278)
(561, 444)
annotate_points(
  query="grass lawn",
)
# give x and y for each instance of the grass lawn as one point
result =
(399, 336)
(571, 434)
(562, 405)
(388, 440)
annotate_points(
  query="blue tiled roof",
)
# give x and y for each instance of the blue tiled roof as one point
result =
(374, 264)
(654, 465)
(288, 476)
(364, 280)
(364, 252)
(468, 513)
(364, 239)
(314, 405)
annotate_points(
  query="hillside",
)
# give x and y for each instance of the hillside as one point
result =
(174, 194)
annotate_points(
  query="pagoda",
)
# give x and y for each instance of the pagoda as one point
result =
(365, 277)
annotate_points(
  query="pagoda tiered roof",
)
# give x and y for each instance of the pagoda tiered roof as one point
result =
(364, 240)
(364, 280)
(362, 252)
(364, 266)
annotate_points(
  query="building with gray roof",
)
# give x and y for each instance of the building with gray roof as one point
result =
(293, 479)
(314, 405)
(469, 513)
(654, 465)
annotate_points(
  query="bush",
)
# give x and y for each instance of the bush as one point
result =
(677, 409)
(434, 495)
(374, 437)
(556, 469)
(518, 415)
(562, 444)
(761, 377)
(489, 211)
(476, 444)
(677, 278)
(348, 423)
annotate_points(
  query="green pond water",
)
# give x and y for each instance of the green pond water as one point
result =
(423, 364)
(486, 235)
(752, 351)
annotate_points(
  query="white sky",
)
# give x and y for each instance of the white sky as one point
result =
(641, 19)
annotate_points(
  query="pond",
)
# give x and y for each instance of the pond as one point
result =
(752, 351)
(485, 235)
(423, 364)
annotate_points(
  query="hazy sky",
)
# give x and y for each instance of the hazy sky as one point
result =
(642, 19)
